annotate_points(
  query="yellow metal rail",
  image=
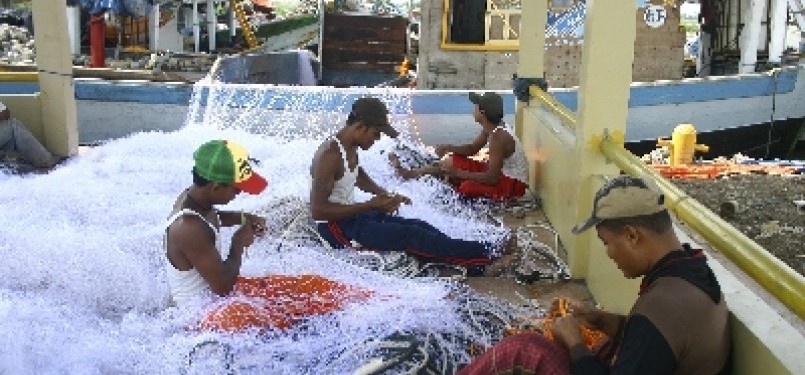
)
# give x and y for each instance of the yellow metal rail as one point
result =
(19, 76)
(771, 273)
(558, 109)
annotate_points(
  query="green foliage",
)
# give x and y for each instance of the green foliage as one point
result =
(690, 25)
(281, 27)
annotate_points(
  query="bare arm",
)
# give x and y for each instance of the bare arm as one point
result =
(233, 218)
(367, 184)
(196, 242)
(501, 146)
(464, 150)
(327, 166)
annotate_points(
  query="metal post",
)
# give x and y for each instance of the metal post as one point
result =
(153, 28)
(751, 38)
(196, 28)
(212, 23)
(779, 20)
(97, 38)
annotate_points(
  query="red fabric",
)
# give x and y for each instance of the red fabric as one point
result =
(525, 353)
(507, 188)
(279, 301)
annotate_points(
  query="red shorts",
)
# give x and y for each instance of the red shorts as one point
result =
(507, 188)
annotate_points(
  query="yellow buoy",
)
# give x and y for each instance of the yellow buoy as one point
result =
(682, 145)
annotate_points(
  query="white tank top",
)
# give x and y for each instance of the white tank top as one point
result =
(344, 188)
(516, 165)
(186, 286)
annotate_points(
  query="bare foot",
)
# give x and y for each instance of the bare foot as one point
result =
(402, 172)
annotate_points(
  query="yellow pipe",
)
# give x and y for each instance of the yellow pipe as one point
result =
(548, 101)
(771, 273)
(19, 76)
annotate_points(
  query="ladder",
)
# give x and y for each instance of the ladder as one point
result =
(246, 28)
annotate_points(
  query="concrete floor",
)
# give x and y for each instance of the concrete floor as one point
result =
(530, 217)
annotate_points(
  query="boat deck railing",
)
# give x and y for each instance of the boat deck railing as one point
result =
(549, 132)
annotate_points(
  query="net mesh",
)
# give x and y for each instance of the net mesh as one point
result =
(84, 289)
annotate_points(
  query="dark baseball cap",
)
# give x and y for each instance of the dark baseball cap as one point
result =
(490, 102)
(373, 112)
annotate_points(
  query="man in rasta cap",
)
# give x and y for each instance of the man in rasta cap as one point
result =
(679, 323)
(503, 176)
(195, 266)
(372, 225)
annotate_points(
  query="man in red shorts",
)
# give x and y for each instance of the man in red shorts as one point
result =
(504, 174)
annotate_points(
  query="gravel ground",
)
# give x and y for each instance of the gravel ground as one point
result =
(760, 206)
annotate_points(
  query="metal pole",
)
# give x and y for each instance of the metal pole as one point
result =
(196, 29)
(212, 25)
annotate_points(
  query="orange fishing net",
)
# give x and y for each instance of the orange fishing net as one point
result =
(279, 301)
(592, 338)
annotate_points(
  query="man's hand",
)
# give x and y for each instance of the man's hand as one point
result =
(243, 237)
(402, 198)
(386, 203)
(441, 150)
(5, 114)
(447, 168)
(257, 223)
(589, 316)
(567, 331)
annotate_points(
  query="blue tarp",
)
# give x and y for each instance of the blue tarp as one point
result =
(136, 8)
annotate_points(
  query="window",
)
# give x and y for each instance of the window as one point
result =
(481, 24)
(560, 5)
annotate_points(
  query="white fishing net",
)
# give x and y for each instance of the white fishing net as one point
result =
(83, 288)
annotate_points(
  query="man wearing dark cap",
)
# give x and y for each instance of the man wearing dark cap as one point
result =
(679, 323)
(373, 225)
(504, 175)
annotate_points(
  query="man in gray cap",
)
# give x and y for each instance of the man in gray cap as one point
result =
(503, 176)
(679, 323)
(15, 137)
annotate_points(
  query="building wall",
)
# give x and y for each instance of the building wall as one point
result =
(659, 55)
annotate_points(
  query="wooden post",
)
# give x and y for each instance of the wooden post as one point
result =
(56, 77)
(532, 49)
(605, 79)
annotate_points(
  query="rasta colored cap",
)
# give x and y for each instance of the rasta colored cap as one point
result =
(226, 162)
(622, 197)
(490, 102)
(372, 112)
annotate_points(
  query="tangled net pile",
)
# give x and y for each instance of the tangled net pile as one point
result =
(84, 290)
